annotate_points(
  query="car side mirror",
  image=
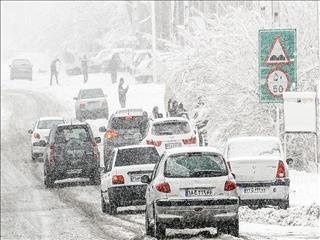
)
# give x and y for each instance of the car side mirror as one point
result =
(233, 175)
(42, 143)
(75, 98)
(145, 179)
(102, 129)
(97, 139)
(289, 161)
(30, 131)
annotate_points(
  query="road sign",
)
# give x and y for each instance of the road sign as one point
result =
(277, 64)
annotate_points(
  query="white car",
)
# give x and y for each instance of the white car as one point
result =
(191, 188)
(121, 180)
(261, 171)
(171, 132)
(40, 131)
(91, 104)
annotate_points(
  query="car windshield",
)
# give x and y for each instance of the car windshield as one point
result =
(48, 124)
(78, 133)
(137, 156)
(170, 128)
(195, 165)
(253, 148)
(21, 62)
(91, 93)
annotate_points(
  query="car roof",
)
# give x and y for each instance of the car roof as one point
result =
(129, 111)
(170, 119)
(192, 149)
(73, 124)
(50, 118)
(252, 138)
(85, 89)
(135, 146)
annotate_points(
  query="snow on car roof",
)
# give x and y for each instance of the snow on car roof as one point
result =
(170, 119)
(136, 146)
(252, 138)
(50, 118)
(192, 149)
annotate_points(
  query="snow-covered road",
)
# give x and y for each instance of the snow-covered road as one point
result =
(72, 211)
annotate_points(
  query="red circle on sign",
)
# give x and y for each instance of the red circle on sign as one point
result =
(267, 81)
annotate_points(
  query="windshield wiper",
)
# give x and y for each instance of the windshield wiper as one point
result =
(207, 173)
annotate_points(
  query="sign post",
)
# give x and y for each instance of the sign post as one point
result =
(277, 64)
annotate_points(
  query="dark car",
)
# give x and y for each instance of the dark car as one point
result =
(125, 127)
(21, 69)
(71, 151)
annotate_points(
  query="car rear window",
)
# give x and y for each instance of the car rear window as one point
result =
(194, 165)
(79, 133)
(170, 128)
(137, 156)
(253, 148)
(91, 93)
(128, 122)
(21, 62)
(48, 124)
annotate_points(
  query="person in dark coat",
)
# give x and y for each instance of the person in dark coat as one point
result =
(181, 111)
(155, 113)
(122, 91)
(84, 66)
(54, 67)
(173, 110)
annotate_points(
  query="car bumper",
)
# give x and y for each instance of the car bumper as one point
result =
(274, 192)
(127, 195)
(196, 213)
(37, 151)
(63, 172)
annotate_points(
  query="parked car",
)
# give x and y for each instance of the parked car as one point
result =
(191, 188)
(171, 132)
(261, 170)
(40, 131)
(71, 151)
(90, 104)
(121, 181)
(125, 127)
(21, 69)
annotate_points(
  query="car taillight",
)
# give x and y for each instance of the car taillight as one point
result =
(192, 140)
(51, 157)
(230, 185)
(163, 187)
(229, 165)
(129, 117)
(111, 134)
(281, 171)
(117, 179)
(36, 135)
(155, 143)
(82, 105)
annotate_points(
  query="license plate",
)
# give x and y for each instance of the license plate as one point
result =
(74, 171)
(172, 145)
(254, 190)
(135, 178)
(199, 192)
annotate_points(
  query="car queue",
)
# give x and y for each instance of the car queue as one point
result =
(161, 164)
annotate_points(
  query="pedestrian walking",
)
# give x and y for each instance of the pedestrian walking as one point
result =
(84, 66)
(173, 110)
(155, 113)
(55, 67)
(122, 91)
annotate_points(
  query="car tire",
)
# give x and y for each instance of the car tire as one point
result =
(48, 181)
(111, 207)
(158, 229)
(284, 204)
(103, 204)
(228, 227)
(149, 228)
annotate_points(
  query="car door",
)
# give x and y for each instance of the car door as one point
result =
(107, 175)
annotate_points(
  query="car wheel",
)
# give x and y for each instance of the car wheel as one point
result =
(48, 181)
(149, 228)
(158, 229)
(111, 207)
(233, 227)
(284, 204)
(222, 227)
(103, 205)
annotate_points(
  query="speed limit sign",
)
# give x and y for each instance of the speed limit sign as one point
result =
(277, 82)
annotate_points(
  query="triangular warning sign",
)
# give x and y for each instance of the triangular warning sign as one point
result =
(277, 54)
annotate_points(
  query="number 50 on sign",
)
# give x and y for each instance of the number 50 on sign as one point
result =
(277, 64)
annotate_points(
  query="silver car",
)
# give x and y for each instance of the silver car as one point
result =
(191, 188)
(91, 104)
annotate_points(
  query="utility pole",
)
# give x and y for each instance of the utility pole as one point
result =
(154, 42)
